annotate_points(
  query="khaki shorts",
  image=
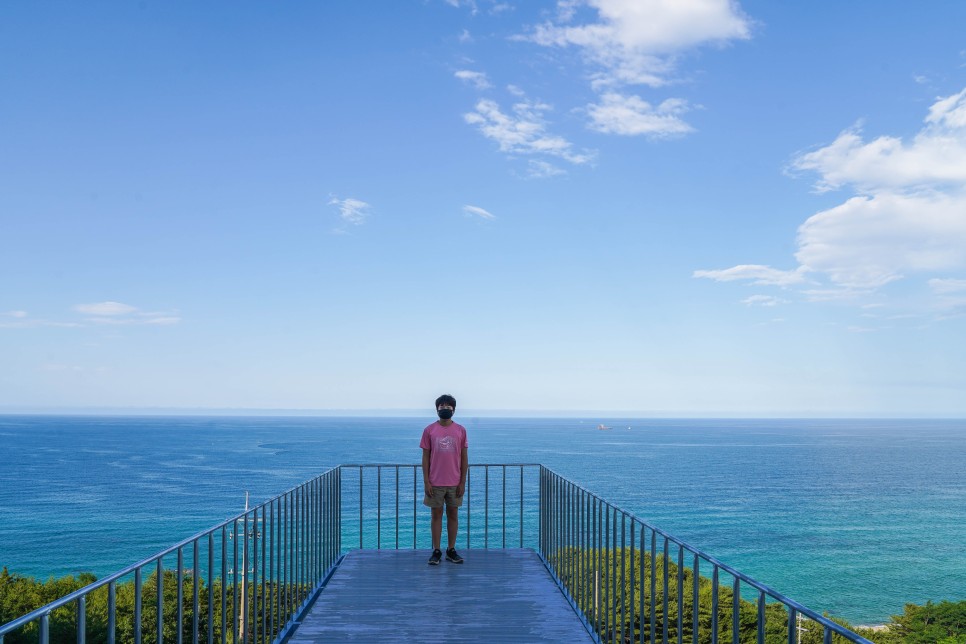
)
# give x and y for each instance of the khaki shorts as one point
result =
(441, 494)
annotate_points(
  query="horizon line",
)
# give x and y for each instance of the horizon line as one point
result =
(10, 410)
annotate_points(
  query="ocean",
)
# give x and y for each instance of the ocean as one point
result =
(850, 517)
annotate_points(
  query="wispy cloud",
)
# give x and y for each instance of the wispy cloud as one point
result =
(633, 43)
(623, 43)
(944, 286)
(935, 157)
(23, 320)
(95, 314)
(524, 131)
(632, 116)
(763, 300)
(61, 368)
(951, 295)
(757, 273)
(537, 169)
(116, 313)
(906, 217)
(104, 309)
(469, 4)
(352, 212)
(476, 79)
(476, 211)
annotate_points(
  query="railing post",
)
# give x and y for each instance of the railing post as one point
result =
(504, 506)
(379, 507)
(714, 606)
(469, 499)
(81, 619)
(211, 587)
(180, 612)
(160, 598)
(541, 509)
(196, 577)
(111, 612)
(137, 606)
(736, 610)
(696, 599)
(416, 469)
(521, 510)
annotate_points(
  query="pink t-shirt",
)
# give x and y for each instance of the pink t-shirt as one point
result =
(446, 446)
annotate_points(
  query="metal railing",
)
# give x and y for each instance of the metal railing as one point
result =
(251, 578)
(382, 506)
(631, 582)
(243, 580)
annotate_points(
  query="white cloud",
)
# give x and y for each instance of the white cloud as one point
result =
(352, 211)
(950, 294)
(907, 217)
(631, 115)
(478, 212)
(162, 320)
(624, 43)
(763, 300)
(118, 314)
(542, 170)
(935, 157)
(469, 4)
(98, 313)
(634, 42)
(31, 323)
(105, 309)
(835, 294)
(523, 132)
(764, 275)
(944, 286)
(476, 79)
(868, 242)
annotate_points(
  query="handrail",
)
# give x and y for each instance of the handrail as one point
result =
(287, 547)
(565, 527)
(290, 543)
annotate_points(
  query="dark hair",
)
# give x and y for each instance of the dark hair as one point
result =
(445, 398)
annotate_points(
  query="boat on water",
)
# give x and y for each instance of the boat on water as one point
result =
(603, 426)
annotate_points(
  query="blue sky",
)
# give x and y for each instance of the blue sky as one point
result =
(691, 208)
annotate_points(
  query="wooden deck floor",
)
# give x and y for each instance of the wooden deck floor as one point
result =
(394, 596)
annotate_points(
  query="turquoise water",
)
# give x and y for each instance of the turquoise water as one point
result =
(853, 517)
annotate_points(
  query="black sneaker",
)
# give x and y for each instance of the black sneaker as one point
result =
(452, 555)
(435, 557)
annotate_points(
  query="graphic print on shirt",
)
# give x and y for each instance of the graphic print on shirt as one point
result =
(446, 444)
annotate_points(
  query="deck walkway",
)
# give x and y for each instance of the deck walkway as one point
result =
(394, 596)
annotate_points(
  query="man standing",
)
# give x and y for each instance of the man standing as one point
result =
(445, 464)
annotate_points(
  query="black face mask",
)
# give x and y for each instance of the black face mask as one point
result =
(445, 414)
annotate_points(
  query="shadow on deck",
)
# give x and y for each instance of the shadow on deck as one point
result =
(394, 596)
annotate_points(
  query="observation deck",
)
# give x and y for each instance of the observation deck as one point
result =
(343, 557)
(505, 595)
